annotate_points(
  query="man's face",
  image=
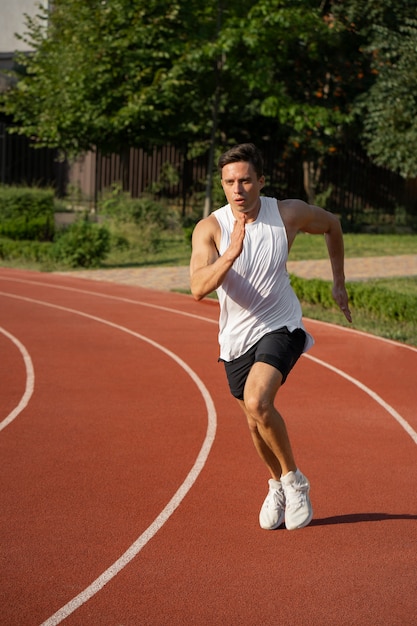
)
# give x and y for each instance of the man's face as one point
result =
(242, 187)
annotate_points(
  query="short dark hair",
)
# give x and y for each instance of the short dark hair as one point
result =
(243, 152)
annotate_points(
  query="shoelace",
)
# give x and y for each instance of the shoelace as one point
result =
(296, 495)
(277, 499)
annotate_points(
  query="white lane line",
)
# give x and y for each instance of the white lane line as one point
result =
(30, 380)
(107, 297)
(198, 317)
(177, 498)
(156, 525)
(408, 429)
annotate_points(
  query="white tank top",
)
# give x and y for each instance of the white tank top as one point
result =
(256, 296)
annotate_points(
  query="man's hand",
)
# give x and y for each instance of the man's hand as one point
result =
(341, 298)
(237, 236)
(207, 268)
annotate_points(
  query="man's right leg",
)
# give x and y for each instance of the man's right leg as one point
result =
(264, 451)
(288, 489)
(261, 387)
(272, 513)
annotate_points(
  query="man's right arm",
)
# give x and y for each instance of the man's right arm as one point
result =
(207, 268)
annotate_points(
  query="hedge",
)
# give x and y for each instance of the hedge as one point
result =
(377, 301)
(27, 213)
(82, 244)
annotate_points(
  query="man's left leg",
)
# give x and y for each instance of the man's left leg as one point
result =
(272, 442)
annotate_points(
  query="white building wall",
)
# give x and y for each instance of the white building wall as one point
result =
(12, 21)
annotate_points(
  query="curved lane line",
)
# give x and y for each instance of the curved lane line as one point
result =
(398, 344)
(177, 498)
(30, 380)
(80, 599)
(408, 429)
(106, 296)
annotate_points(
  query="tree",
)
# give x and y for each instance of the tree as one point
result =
(111, 74)
(303, 69)
(387, 109)
(108, 74)
(390, 106)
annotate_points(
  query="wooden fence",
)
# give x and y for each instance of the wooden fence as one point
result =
(360, 191)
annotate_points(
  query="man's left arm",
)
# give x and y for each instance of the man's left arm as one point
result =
(298, 215)
(335, 247)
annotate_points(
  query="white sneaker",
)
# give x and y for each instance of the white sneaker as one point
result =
(298, 510)
(272, 513)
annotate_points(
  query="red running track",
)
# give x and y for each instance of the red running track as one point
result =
(130, 489)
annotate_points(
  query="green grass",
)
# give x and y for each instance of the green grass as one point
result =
(175, 250)
(311, 247)
(398, 331)
(406, 285)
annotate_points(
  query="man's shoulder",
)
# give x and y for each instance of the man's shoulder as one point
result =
(222, 215)
(292, 204)
(291, 209)
(223, 209)
(286, 205)
(286, 208)
(208, 224)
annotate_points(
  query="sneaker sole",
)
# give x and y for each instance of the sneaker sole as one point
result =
(280, 523)
(272, 527)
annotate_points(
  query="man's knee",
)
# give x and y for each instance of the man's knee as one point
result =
(259, 408)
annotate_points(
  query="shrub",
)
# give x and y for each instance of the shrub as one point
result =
(32, 251)
(27, 213)
(119, 206)
(82, 244)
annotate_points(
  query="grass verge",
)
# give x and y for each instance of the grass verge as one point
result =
(384, 307)
(405, 332)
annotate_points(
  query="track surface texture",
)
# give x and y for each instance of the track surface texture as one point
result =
(130, 490)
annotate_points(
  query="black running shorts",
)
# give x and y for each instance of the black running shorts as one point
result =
(280, 348)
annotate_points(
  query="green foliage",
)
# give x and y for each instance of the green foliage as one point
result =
(304, 76)
(137, 224)
(82, 244)
(188, 225)
(124, 72)
(381, 303)
(140, 227)
(113, 74)
(122, 208)
(26, 251)
(391, 104)
(132, 242)
(377, 301)
(23, 227)
(26, 213)
(389, 107)
(309, 75)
